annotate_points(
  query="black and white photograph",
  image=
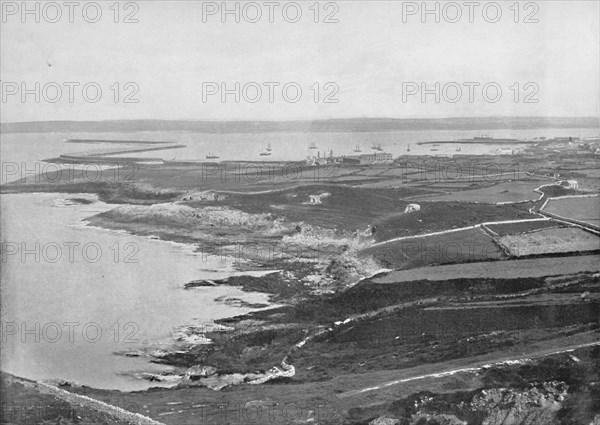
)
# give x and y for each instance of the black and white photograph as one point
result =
(311, 212)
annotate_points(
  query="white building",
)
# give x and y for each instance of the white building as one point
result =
(412, 208)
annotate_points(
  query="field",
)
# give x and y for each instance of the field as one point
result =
(583, 209)
(522, 227)
(503, 397)
(344, 208)
(550, 241)
(456, 247)
(534, 267)
(388, 182)
(439, 216)
(516, 191)
(594, 173)
(23, 403)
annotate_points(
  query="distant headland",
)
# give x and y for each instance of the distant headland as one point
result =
(326, 125)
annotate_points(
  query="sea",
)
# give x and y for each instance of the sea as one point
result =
(74, 295)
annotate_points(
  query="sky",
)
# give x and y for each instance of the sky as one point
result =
(373, 60)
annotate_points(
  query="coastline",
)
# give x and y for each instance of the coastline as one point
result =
(334, 318)
(249, 302)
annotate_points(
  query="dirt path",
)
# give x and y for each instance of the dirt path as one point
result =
(443, 232)
(117, 413)
(472, 368)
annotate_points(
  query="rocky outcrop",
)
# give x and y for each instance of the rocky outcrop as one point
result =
(285, 371)
(538, 404)
(197, 372)
(217, 382)
(438, 420)
(260, 404)
(207, 196)
(384, 421)
(179, 215)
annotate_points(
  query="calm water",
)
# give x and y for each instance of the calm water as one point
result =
(286, 146)
(145, 299)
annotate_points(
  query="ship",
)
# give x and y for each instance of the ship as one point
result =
(408, 148)
(212, 156)
(357, 148)
(377, 147)
(458, 149)
(313, 145)
(269, 149)
(265, 153)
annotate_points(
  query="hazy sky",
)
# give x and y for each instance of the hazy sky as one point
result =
(370, 55)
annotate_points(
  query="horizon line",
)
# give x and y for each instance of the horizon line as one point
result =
(306, 119)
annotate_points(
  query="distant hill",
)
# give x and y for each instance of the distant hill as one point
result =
(329, 125)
